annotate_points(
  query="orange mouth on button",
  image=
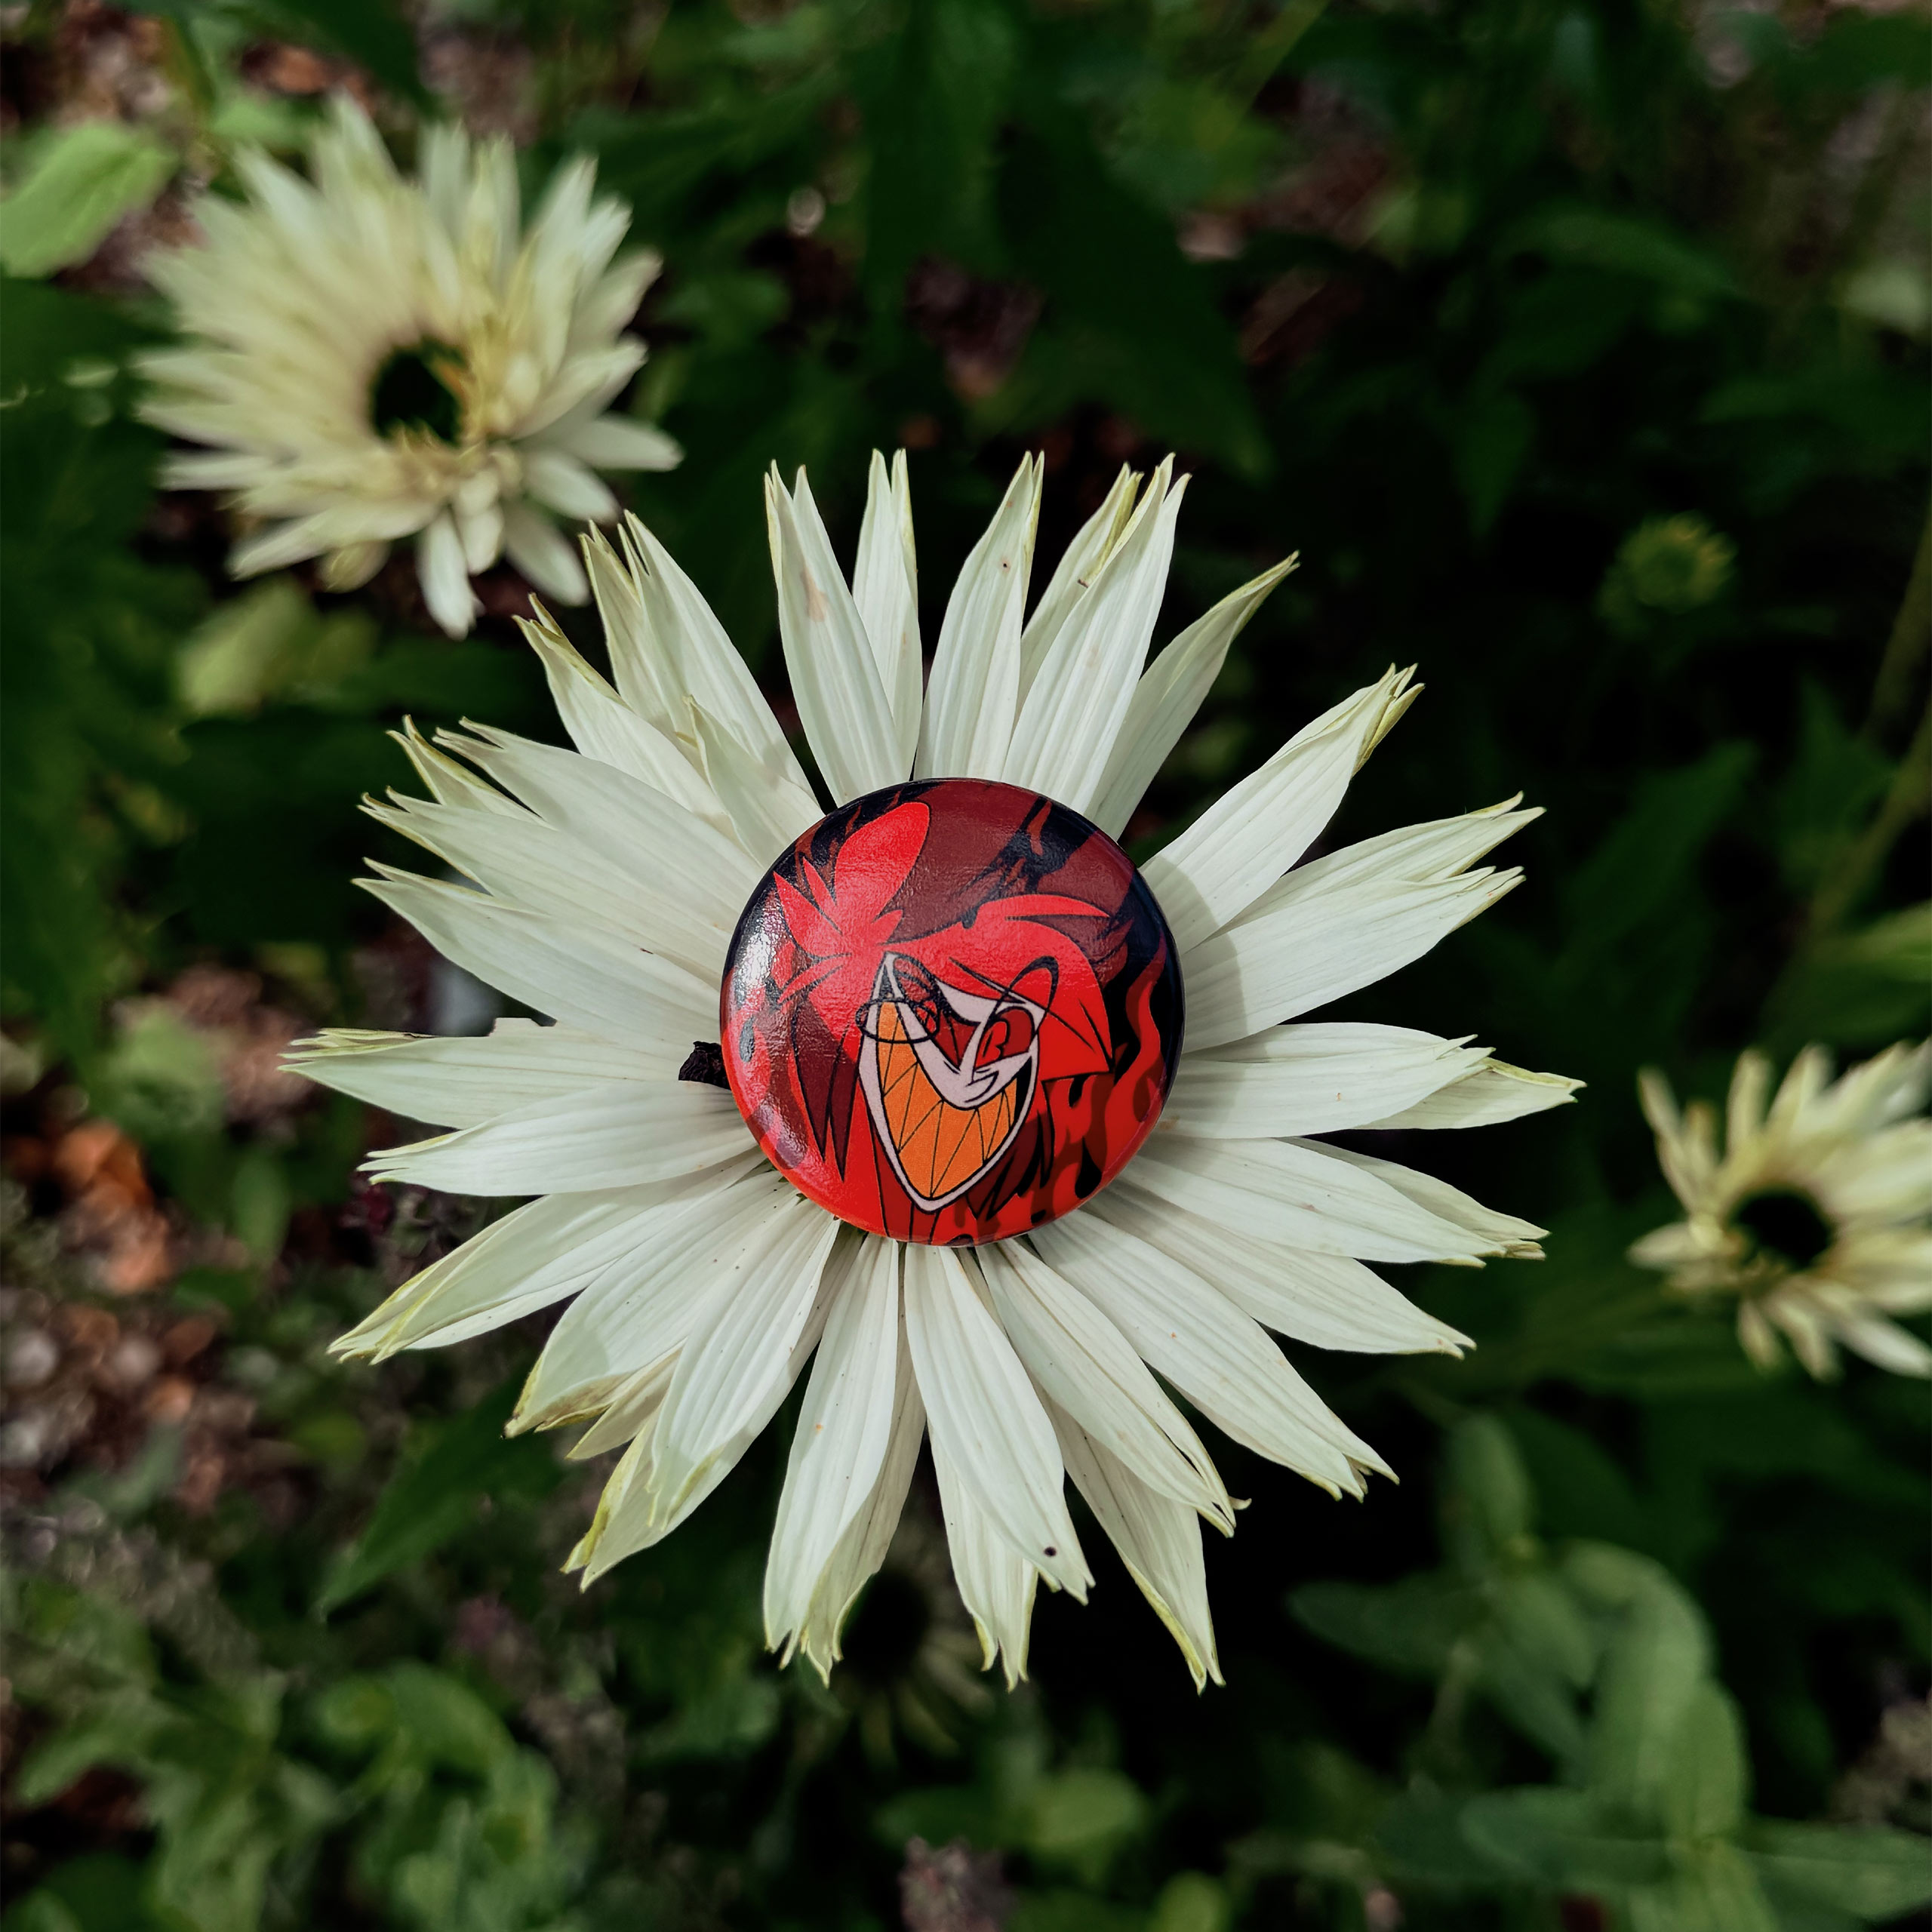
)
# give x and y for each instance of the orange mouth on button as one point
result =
(948, 1075)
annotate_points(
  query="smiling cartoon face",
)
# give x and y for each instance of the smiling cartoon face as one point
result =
(948, 1075)
(951, 1011)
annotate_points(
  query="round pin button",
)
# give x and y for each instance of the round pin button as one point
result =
(951, 1011)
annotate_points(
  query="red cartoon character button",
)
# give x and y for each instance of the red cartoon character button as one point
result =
(951, 1011)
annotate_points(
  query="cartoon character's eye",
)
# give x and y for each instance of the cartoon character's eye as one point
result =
(920, 991)
(1008, 1032)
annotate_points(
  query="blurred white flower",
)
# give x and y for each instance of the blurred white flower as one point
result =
(1815, 1213)
(372, 357)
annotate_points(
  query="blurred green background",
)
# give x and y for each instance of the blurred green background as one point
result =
(1579, 347)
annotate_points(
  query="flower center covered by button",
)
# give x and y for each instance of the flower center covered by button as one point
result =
(951, 1011)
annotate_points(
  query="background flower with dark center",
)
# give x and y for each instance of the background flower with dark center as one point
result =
(1814, 1214)
(372, 357)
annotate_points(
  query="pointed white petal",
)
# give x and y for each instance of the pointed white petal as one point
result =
(885, 587)
(973, 696)
(618, 1135)
(996, 1587)
(1271, 968)
(1249, 836)
(465, 1082)
(1317, 1078)
(844, 1430)
(1495, 1092)
(576, 974)
(982, 1411)
(1079, 1359)
(768, 810)
(1303, 1196)
(633, 1409)
(1328, 1300)
(695, 879)
(535, 1255)
(1505, 1232)
(1171, 689)
(1079, 564)
(834, 676)
(1188, 1331)
(602, 726)
(1068, 723)
(696, 658)
(1159, 1539)
(862, 1549)
(641, 1308)
(736, 1365)
(1885, 1343)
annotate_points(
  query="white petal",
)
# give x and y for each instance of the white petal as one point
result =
(449, 783)
(1159, 1539)
(641, 1308)
(564, 484)
(1068, 721)
(633, 1409)
(845, 1428)
(1171, 689)
(1079, 564)
(1188, 1331)
(620, 442)
(973, 696)
(1507, 1234)
(885, 587)
(982, 1411)
(862, 1549)
(535, 1255)
(695, 877)
(445, 576)
(736, 1364)
(1249, 836)
(1316, 1079)
(1268, 969)
(576, 974)
(1079, 1359)
(604, 1136)
(1328, 1300)
(464, 1082)
(1425, 854)
(540, 551)
(996, 1587)
(767, 809)
(700, 661)
(1302, 1196)
(603, 726)
(1885, 1343)
(1495, 1092)
(834, 676)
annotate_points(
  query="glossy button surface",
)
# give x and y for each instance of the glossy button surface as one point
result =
(951, 1011)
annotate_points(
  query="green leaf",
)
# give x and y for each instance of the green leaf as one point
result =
(441, 1720)
(447, 1470)
(1192, 1901)
(1081, 1818)
(1561, 1839)
(1707, 1782)
(1630, 245)
(1869, 1871)
(1653, 1673)
(82, 180)
(1410, 1626)
(1494, 434)
(1713, 1891)
(1489, 1507)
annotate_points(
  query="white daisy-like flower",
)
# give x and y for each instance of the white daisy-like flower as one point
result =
(897, 1089)
(1815, 1213)
(372, 358)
